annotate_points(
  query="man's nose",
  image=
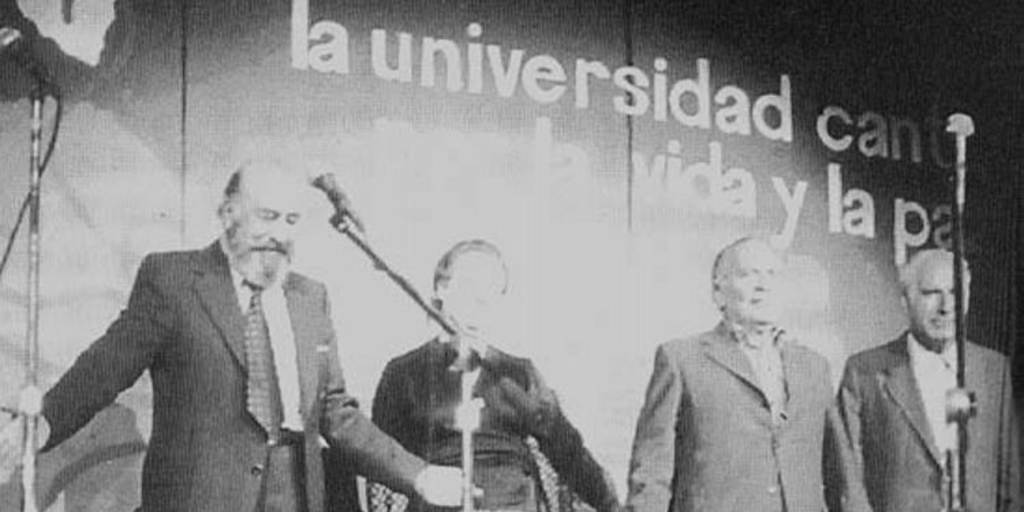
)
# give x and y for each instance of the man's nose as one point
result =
(276, 228)
(260, 226)
(948, 302)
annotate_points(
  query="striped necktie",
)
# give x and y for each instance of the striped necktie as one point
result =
(263, 393)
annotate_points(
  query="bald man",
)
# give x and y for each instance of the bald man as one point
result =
(892, 403)
(735, 419)
(247, 385)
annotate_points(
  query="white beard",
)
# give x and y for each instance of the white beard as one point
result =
(263, 268)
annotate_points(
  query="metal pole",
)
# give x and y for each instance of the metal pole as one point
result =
(469, 422)
(960, 404)
(468, 413)
(342, 226)
(29, 407)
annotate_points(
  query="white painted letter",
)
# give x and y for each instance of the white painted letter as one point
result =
(379, 55)
(793, 204)
(583, 70)
(543, 67)
(901, 237)
(826, 138)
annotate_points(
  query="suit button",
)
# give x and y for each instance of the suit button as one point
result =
(256, 470)
(773, 489)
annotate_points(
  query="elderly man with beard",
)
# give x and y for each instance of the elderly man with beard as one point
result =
(247, 385)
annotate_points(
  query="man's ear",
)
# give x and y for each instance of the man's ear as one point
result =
(716, 293)
(905, 302)
(226, 213)
(440, 294)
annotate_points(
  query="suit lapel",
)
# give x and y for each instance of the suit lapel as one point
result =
(216, 292)
(724, 351)
(902, 389)
(301, 308)
(796, 374)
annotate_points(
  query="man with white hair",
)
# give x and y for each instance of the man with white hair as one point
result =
(893, 401)
(737, 418)
(247, 385)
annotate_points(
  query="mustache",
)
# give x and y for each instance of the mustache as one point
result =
(272, 246)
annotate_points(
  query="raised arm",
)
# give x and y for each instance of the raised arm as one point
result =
(558, 440)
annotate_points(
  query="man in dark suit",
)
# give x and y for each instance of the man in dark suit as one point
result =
(735, 418)
(420, 401)
(892, 402)
(234, 427)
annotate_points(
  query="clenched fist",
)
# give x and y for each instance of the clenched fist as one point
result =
(440, 485)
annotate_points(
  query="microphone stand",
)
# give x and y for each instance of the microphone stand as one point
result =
(30, 400)
(960, 403)
(468, 417)
(468, 420)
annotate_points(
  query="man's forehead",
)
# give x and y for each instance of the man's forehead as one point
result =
(752, 254)
(274, 187)
(935, 272)
(476, 263)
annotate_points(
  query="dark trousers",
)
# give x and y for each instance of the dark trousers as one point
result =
(284, 482)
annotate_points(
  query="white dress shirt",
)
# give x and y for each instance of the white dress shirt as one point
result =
(935, 375)
(282, 341)
(765, 356)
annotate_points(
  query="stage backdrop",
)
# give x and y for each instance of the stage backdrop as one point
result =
(609, 148)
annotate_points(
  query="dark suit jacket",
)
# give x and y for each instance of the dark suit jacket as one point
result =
(705, 440)
(206, 452)
(896, 466)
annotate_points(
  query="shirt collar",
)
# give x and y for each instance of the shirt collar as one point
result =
(918, 352)
(746, 339)
(475, 343)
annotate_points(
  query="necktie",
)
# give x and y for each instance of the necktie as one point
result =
(263, 394)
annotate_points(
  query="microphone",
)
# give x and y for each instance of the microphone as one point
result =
(342, 206)
(961, 126)
(14, 44)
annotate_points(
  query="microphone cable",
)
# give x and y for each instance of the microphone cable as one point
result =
(55, 94)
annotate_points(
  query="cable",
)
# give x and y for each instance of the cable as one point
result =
(42, 168)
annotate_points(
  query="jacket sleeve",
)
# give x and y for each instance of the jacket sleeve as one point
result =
(844, 453)
(563, 445)
(1009, 451)
(114, 361)
(375, 455)
(391, 409)
(652, 465)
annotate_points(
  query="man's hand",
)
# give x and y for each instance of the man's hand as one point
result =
(10, 449)
(12, 442)
(440, 485)
(531, 409)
